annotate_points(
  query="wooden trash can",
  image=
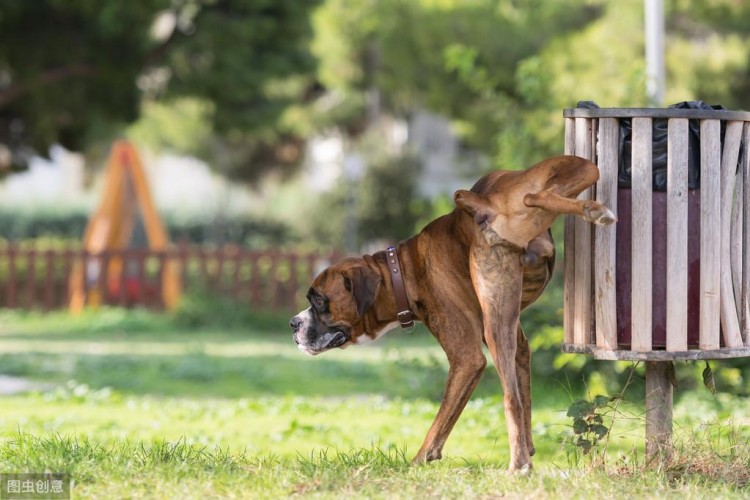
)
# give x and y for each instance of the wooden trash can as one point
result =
(672, 277)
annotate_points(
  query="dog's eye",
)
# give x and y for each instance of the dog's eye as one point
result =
(482, 219)
(318, 302)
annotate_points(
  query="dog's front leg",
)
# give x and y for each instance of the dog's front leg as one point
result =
(497, 274)
(459, 334)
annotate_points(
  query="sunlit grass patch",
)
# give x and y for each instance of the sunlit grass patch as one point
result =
(205, 413)
(172, 469)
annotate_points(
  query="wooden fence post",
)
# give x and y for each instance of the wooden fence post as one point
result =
(658, 411)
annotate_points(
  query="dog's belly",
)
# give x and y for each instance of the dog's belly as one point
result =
(535, 280)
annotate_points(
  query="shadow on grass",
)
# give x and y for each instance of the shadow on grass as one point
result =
(144, 353)
(197, 374)
(203, 375)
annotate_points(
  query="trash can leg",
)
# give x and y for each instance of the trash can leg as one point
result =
(658, 411)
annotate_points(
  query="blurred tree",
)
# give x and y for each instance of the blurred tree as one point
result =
(502, 71)
(72, 71)
(388, 203)
(242, 70)
(715, 49)
(458, 58)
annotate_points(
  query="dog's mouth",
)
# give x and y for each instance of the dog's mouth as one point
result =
(329, 340)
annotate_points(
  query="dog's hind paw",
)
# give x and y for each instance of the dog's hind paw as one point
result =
(523, 470)
(599, 214)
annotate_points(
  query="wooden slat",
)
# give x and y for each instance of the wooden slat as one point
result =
(273, 273)
(31, 259)
(138, 262)
(69, 257)
(735, 241)
(570, 136)
(157, 300)
(605, 241)
(582, 315)
(677, 218)
(49, 279)
(569, 243)
(745, 295)
(292, 284)
(641, 240)
(710, 234)
(125, 257)
(693, 114)
(99, 283)
(236, 260)
(729, 321)
(12, 286)
(625, 355)
(256, 279)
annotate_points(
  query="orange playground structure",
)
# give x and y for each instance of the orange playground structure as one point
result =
(125, 219)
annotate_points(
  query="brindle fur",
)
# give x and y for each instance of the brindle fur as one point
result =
(467, 289)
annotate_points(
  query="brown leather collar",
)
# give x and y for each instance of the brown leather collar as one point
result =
(403, 313)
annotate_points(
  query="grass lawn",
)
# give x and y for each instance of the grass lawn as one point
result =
(131, 406)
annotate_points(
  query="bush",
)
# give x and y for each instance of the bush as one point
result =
(246, 231)
(207, 309)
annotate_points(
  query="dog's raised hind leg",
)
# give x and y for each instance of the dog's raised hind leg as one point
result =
(590, 210)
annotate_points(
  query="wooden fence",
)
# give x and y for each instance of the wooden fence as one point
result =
(32, 278)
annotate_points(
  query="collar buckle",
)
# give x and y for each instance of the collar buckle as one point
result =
(405, 316)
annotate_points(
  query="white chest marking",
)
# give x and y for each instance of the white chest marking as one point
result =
(366, 339)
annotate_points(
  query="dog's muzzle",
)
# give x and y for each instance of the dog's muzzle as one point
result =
(314, 339)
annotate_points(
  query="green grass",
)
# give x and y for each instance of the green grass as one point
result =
(132, 406)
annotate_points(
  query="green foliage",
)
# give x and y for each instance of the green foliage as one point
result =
(58, 58)
(77, 71)
(21, 225)
(69, 226)
(94, 322)
(503, 71)
(182, 125)
(205, 308)
(708, 379)
(244, 82)
(385, 203)
(460, 58)
(588, 422)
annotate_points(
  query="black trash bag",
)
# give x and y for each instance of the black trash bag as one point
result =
(659, 147)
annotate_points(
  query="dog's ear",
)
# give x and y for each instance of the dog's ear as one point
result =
(474, 204)
(363, 283)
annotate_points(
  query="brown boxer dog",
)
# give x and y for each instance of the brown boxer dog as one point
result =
(466, 276)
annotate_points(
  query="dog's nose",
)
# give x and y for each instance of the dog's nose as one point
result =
(295, 323)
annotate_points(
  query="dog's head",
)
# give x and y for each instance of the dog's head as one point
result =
(340, 298)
